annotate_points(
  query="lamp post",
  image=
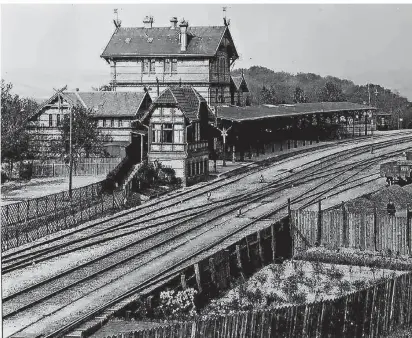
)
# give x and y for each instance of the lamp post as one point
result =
(224, 132)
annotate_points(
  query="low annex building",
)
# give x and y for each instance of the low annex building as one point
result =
(113, 111)
(178, 124)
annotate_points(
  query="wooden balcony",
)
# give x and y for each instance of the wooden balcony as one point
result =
(179, 147)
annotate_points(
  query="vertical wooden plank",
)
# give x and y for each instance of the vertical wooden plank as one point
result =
(197, 274)
(273, 241)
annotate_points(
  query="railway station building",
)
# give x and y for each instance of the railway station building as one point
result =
(173, 98)
(272, 128)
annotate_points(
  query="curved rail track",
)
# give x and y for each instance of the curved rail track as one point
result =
(25, 256)
(132, 256)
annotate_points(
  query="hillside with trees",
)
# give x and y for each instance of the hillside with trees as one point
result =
(269, 87)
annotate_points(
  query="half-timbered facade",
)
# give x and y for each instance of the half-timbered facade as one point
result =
(177, 124)
(152, 58)
(113, 111)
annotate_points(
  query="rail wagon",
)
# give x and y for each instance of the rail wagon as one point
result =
(398, 171)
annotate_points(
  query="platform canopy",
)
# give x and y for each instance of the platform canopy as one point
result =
(268, 111)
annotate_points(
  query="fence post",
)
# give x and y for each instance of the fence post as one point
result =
(408, 228)
(27, 211)
(375, 227)
(212, 270)
(319, 232)
(260, 248)
(273, 242)
(239, 261)
(183, 281)
(197, 273)
(18, 212)
(7, 214)
(345, 225)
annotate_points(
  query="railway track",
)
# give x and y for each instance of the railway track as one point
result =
(169, 200)
(165, 273)
(124, 219)
(229, 206)
(21, 258)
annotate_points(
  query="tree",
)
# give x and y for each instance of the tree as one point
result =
(331, 93)
(265, 96)
(87, 139)
(299, 95)
(15, 140)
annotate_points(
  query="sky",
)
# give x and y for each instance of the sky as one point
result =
(51, 45)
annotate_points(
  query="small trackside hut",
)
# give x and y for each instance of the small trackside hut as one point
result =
(177, 123)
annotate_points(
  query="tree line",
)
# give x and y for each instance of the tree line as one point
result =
(269, 87)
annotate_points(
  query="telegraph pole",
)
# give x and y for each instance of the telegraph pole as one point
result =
(70, 155)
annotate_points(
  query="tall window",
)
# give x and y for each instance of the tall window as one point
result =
(167, 133)
(120, 123)
(222, 94)
(167, 66)
(152, 66)
(145, 66)
(156, 133)
(178, 133)
(58, 120)
(112, 123)
(50, 120)
(104, 122)
(174, 65)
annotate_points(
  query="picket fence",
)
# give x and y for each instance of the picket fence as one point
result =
(359, 230)
(83, 167)
(372, 312)
(29, 220)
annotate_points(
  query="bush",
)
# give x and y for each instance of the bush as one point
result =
(4, 177)
(178, 304)
(26, 171)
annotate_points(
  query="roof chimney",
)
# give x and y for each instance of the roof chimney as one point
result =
(183, 35)
(173, 23)
(148, 21)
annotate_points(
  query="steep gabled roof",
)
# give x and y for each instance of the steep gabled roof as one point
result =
(187, 99)
(240, 83)
(126, 104)
(164, 41)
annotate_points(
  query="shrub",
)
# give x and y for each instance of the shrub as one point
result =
(26, 171)
(178, 304)
(4, 177)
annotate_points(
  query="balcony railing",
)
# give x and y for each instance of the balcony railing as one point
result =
(178, 147)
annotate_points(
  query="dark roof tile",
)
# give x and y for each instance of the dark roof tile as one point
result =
(139, 41)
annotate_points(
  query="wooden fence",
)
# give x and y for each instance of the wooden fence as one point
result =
(83, 167)
(29, 220)
(372, 312)
(364, 230)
